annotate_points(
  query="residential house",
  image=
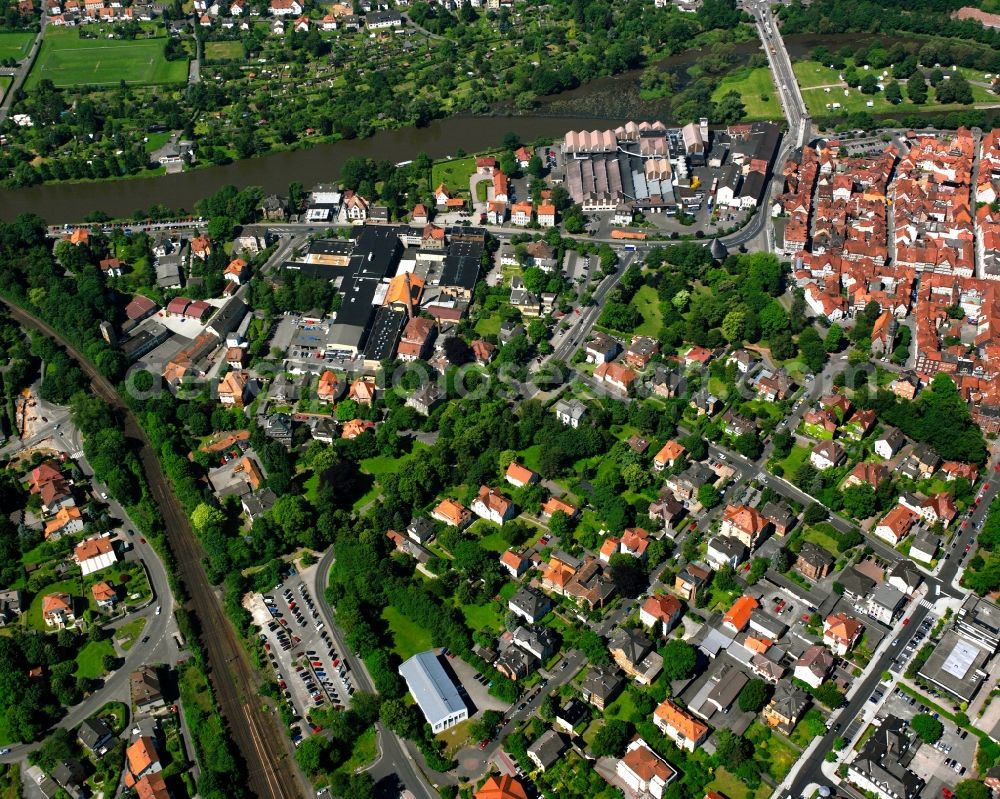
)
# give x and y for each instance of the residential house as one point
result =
(493, 506)
(538, 640)
(501, 786)
(547, 750)
(529, 603)
(514, 563)
(738, 616)
(813, 561)
(353, 428)
(546, 214)
(723, 550)
(679, 726)
(233, 388)
(905, 576)
(685, 485)
(668, 456)
(237, 271)
(57, 609)
(104, 595)
(416, 339)
(815, 663)
(141, 758)
(925, 459)
(634, 542)
(780, 516)
(866, 473)
(68, 520)
(855, 584)
(483, 351)
(570, 412)
(520, 213)
(144, 689)
(362, 391)
(841, 632)
(451, 512)
(691, 579)
(328, 388)
(94, 554)
(827, 455)
(745, 360)
(666, 510)
(641, 351)
(745, 524)
(924, 546)
(602, 685)
(705, 403)
(618, 376)
(660, 609)
(11, 605)
(554, 504)
(95, 735)
(590, 585)
(425, 399)
(420, 530)
(516, 664)
(633, 651)
(774, 386)
(643, 771)
(885, 603)
(520, 476)
(697, 356)
(736, 425)
(939, 508)
(895, 524)
(953, 470)
(786, 707)
(889, 443)
(601, 349)
(881, 767)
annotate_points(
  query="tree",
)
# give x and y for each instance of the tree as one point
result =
(734, 325)
(731, 750)
(834, 341)
(916, 89)
(829, 695)
(636, 477)
(708, 496)
(893, 93)
(859, 500)
(773, 319)
(754, 696)
(972, 789)
(814, 514)
(927, 728)
(679, 659)
(612, 739)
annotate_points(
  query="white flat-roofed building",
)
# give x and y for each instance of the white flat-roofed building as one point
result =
(433, 690)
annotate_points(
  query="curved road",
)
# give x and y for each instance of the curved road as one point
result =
(264, 748)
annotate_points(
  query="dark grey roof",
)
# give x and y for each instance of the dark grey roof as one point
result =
(719, 251)
(548, 748)
(815, 555)
(884, 758)
(855, 582)
(603, 682)
(633, 644)
(421, 528)
(385, 333)
(93, 732)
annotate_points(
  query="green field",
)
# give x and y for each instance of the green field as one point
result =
(821, 539)
(408, 638)
(15, 44)
(4, 85)
(67, 60)
(752, 85)
(89, 659)
(648, 302)
(454, 174)
(815, 79)
(795, 458)
(223, 51)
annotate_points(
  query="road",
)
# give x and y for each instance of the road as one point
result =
(395, 765)
(22, 72)
(811, 772)
(262, 745)
(799, 124)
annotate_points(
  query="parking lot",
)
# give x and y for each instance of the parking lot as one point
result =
(307, 666)
(903, 656)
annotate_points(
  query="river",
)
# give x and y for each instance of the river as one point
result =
(601, 103)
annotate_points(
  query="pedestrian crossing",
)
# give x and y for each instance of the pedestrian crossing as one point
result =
(926, 603)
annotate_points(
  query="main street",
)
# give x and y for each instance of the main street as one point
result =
(811, 771)
(395, 765)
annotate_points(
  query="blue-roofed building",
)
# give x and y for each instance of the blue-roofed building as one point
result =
(434, 691)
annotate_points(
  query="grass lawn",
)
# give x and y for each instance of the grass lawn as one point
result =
(726, 784)
(220, 51)
(481, 190)
(773, 752)
(753, 86)
(622, 708)
(493, 542)
(154, 141)
(811, 74)
(4, 85)
(68, 60)
(70, 586)
(408, 638)
(488, 325)
(454, 173)
(529, 457)
(817, 432)
(648, 303)
(818, 537)
(482, 616)
(795, 459)
(15, 44)
(456, 738)
(363, 753)
(88, 659)
(129, 633)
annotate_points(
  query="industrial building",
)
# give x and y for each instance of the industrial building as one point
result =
(433, 690)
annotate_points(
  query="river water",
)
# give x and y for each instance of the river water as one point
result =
(600, 103)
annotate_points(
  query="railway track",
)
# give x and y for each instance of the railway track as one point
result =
(270, 768)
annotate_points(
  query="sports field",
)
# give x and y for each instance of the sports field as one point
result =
(67, 60)
(15, 44)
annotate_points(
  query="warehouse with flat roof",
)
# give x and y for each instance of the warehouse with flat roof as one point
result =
(433, 690)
